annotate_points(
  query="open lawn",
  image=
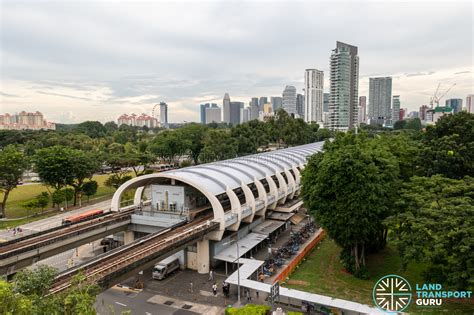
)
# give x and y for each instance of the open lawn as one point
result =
(25, 193)
(322, 273)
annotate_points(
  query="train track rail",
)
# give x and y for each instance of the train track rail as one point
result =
(141, 249)
(48, 238)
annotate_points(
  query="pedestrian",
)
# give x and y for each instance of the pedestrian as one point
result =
(214, 289)
(191, 286)
(247, 294)
(211, 276)
(257, 294)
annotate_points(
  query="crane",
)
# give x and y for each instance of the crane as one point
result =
(436, 98)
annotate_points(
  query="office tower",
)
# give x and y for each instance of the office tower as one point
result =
(163, 114)
(313, 95)
(277, 102)
(203, 112)
(470, 103)
(363, 109)
(455, 104)
(244, 114)
(325, 102)
(254, 108)
(395, 109)
(422, 112)
(380, 100)
(267, 108)
(262, 101)
(289, 100)
(300, 105)
(234, 112)
(344, 87)
(213, 114)
(226, 108)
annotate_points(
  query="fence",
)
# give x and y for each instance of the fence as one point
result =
(292, 265)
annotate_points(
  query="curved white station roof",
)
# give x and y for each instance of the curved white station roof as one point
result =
(217, 177)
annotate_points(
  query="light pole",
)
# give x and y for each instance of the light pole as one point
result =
(238, 267)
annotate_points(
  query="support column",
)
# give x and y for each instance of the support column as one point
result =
(128, 237)
(203, 256)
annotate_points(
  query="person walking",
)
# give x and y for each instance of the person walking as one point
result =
(191, 286)
(211, 276)
(247, 295)
(214, 289)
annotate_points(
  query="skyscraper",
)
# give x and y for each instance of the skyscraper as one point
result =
(344, 87)
(455, 104)
(325, 102)
(380, 100)
(422, 112)
(289, 100)
(254, 108)
(395, 109)
(203, 112)
(163, 114)
(226, 108)
(470, 103)
(234, 112)
(277, 102)
(300, 105)
(262, 101)
(213, 114)
(313, 95)
(244, 114)
(362, 109)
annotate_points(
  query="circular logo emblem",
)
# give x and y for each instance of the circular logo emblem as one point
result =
(392, 293)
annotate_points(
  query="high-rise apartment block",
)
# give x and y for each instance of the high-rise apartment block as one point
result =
(226, 108)
(422, 112)
(344, 87)
(470, 103)
(325, 102)
(289, 100)
(313, 94)
(380, 100)
(138, 121)
(455, 104)
(362, 110)
(300, 105)
(395, 109)
(24, 120)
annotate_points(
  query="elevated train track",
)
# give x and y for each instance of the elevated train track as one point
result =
(112, 267)
(22, 252)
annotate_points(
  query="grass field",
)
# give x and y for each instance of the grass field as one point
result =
(25, 193)
(322, 273)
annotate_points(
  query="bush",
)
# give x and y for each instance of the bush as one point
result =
(249, 309)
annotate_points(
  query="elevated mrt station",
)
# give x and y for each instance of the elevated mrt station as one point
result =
(255, 193)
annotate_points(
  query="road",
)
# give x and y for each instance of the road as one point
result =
(53, 221)
(120, 301)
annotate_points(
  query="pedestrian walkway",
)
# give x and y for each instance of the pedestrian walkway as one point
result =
(187, 305)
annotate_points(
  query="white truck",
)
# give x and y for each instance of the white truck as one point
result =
(165, 267)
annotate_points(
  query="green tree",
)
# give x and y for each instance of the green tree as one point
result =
(435, 225)
(42, 200)
(193, 135)
(93, 129)
(350, 190)
(83, 167)
(414, 123)
(169, 146)
(13, 303)
(90, 188)
(30, 205)
(13, 164)
(218, 145)
(449, 147)
(54, 165)
(65, 195)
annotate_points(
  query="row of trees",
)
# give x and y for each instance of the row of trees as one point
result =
(416, 185)
(66, 160)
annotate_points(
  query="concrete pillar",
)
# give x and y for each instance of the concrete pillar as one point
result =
(128, 237)
(203, 256)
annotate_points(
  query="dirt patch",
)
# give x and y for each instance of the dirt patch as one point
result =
(298, 282)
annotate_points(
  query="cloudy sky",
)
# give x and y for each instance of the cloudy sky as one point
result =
(93, 60)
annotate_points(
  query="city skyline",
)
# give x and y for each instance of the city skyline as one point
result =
(149, 58)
